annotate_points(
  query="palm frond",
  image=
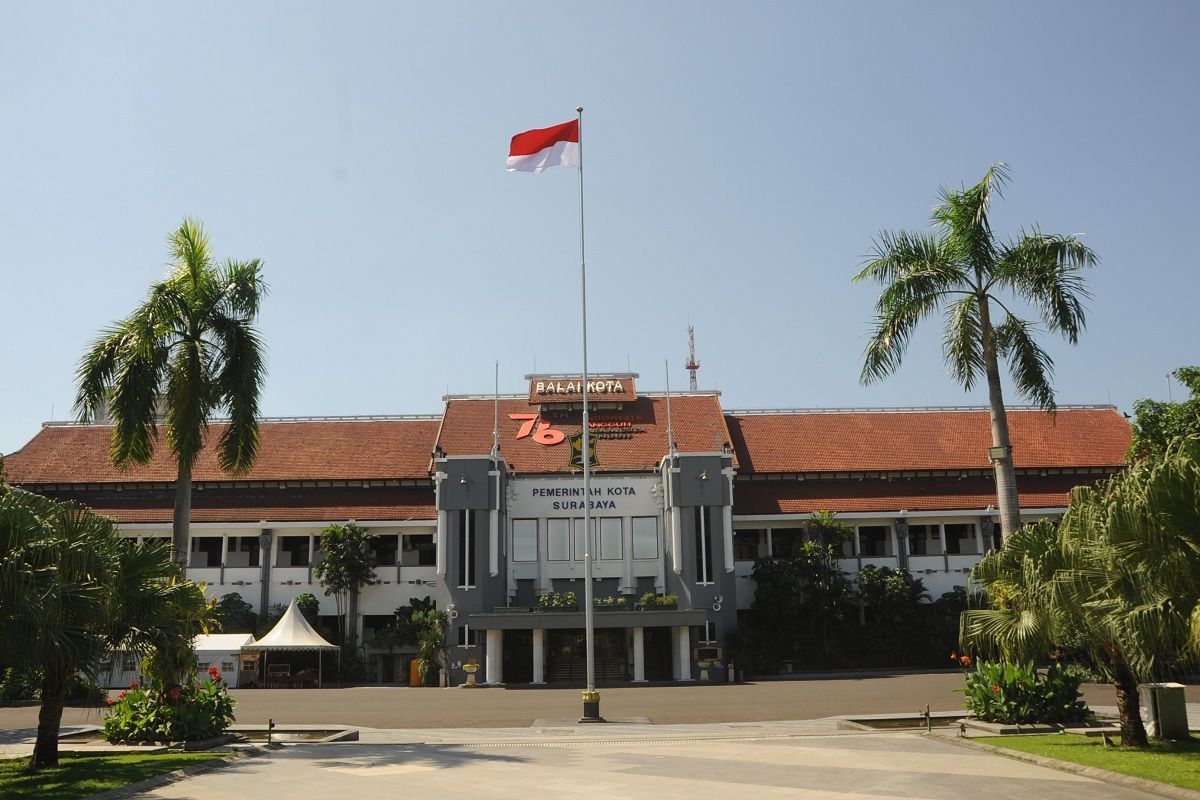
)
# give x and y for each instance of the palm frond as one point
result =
(239, 382)
(917, 275)
(190, 250)
(1045, 270)
(243, 288)
(963, 216)
(1031, 366)
(962, 342)
(190, 399)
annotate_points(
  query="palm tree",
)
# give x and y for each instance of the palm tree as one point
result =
(960, 269)
(189, 352)
(1119, 577)
(71, 590)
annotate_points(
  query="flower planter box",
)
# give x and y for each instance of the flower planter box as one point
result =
(559, 609)
(660, 607)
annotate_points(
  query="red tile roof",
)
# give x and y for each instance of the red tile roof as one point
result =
(899, 494)
(892, 441)
(699, 426)
(300, 450)
(322, 505)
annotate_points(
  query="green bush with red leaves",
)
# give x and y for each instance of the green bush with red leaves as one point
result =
(177, 714)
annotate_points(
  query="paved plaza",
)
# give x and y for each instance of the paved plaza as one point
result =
(845, 766)
(398, 707)
(768, 739)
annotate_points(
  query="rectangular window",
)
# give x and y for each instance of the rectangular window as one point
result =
(874, 540)
(611, 535)
(645, 537)
(785, 542)
(524, 540)
(704, 566)
(207, 550)
(385, 548)
(924, 540)
(960, 539)
(293, 551)
(578, 539)
(466, 551)
(558, 539)
(745, 545)
(421, 550)
(466, 636)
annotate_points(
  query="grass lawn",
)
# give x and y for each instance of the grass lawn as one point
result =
(80, 776)
(1177, 764)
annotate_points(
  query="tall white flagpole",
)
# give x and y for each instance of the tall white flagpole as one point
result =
(591, 698)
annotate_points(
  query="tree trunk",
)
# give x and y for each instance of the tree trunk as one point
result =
(181, 522)
(1133, 733)
(1006, 478)
(54, 696)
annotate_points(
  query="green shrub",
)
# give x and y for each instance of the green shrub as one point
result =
(652, 600)
(615, 601)
(1017, 694)
(560, 601)
(180, 713)
(20, 685)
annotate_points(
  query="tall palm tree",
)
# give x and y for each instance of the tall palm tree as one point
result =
(961, 270)
(72, 589)
(189, 352)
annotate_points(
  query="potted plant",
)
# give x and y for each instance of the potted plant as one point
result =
(614, 603)
(470, 666)
(558, 601)
(659, 602)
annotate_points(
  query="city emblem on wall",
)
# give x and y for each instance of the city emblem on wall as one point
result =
(576, 440)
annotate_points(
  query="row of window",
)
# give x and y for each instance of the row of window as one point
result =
(417, 550)
(870, 541)
(565, 542)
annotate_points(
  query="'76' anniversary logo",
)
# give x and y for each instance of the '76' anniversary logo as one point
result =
(540, 432)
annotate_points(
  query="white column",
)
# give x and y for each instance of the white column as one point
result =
(676, 542)
(494, 658)
(639, 655)
(683, 659)
(727, 524)
(539, 655)
(979, 544)
(493, 543)
(441, 543)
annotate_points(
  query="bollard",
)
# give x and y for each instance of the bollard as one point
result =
(270, 727)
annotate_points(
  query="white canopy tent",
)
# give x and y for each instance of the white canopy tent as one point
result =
(292, 633)
(221, 650)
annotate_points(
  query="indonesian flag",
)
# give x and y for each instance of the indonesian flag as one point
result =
(533, 151)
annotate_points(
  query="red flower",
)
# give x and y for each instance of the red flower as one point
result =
(964, 660)
(996, 689)
(133, 685)
(173, 693)
(214, 673)
(953, 656)
(122, 695)
(108, 701)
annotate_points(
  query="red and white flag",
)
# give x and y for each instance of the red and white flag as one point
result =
(556, 146)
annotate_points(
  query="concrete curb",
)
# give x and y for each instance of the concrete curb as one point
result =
(149, 784)
(1129, 781)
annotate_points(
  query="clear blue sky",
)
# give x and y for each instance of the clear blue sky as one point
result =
(740, 158)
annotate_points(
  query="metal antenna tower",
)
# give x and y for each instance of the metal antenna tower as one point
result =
(692, 364)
